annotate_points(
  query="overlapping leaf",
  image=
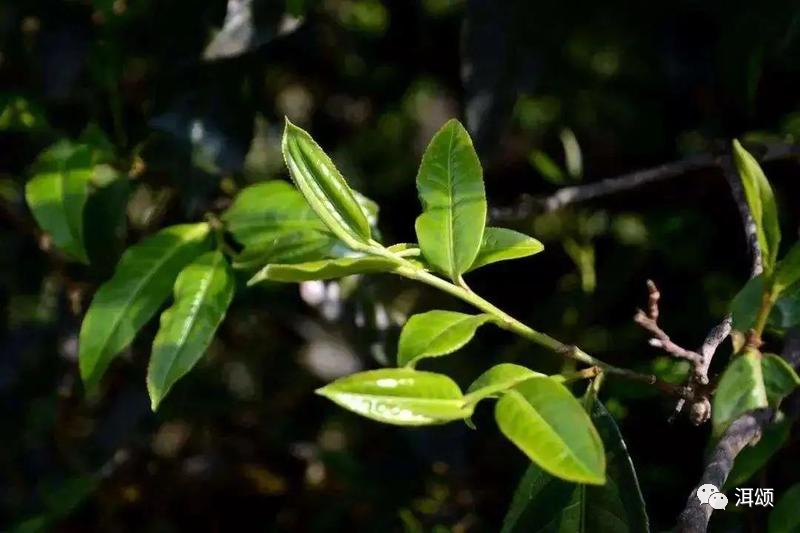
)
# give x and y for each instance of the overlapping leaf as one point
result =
(780, 379)
(436, 333)
(502, 244)
(203, 292)
(497, 379)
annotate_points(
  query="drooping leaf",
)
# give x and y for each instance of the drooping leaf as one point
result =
(436, 333)
(753, 458)
(761, 201)
(740, 389)
(780, 379)
(400, 396)
(325, 269)
(501, 244)
(542, 418)
(787, 272)
(57, 193)
(142, 281)
(261, 211)
(450, 186)
(289, 247)
(784, 518)
(544, 503)
(203, 292)
(497, 379)
(324, 187)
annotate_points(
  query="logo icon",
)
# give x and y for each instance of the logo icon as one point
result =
(711, 495)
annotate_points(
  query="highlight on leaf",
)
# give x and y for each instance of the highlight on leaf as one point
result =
(436, 333)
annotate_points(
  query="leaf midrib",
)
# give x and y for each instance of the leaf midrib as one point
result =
(425, 353)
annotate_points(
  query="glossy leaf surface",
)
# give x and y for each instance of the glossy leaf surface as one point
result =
(142, 281)
(399, 396)
(325, 269)
(202, 294)
(740, 389)
(497, 379)
(436, 333)
(502, 244)
(450, 186)
(542, 418)
(290, 247)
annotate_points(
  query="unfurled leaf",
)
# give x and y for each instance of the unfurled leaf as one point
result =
(399, 396)
(57, 193)
(779, 378)
(142, 281)
(786, 310)
(545, 503)
(740, 389)
(450, 186)
(497, 379)
(501, 244)
(325, 269)
(262, 211)
(542, 418)
(784, 518)
(753, 458)
(436, 333)
(203, 292)
(787, 272)
(761, 201)
(324, 187)
(747, 303)
(290, 247)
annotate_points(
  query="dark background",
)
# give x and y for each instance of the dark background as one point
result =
(196, 113)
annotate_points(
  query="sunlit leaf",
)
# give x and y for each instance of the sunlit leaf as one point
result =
(289, 247)
(142, 281)
(545, 503)
(436, 333)
(497, 379)
(57, 193)
(202, 294)
(740, 389)
(450, 185)
(501, 244)
(542, 418)
(780, 379)
(761, 201)
(324, 187)
(399, 396)
(325, 269)
(784, 518)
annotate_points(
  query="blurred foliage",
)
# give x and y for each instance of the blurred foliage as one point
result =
(186, 100)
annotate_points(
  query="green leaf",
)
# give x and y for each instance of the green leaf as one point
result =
(501, 244)
(203, 292)
(326, 269)
(779, 378)
(786, 310)
(450, 185)
(740, 389)
(20, 114)
(290, 247)
(542, 418)
(436, 333)
(753, 458)
(262, 211)
(761, 201)
(57, 193)
(788, 270)
(784, 518)
(545, 503)
(497, 379)
(747, 303)
(324, 187)
(142, 281)
(399, 396)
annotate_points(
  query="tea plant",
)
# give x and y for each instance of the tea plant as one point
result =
(581, 475)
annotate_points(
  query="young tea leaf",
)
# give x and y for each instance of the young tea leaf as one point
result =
(497, 379)
(450, 186)
(545, 503)
(542, 418)
(324, 187)
(761, 201)
(501, 244)
(203, 292)
(290, 247)
(57, 194)
(779, 378)
(399, 396)
(436, 333)
(787, 272)
(740, 389)
(746, 304)
(325, 269)
(142, 281)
